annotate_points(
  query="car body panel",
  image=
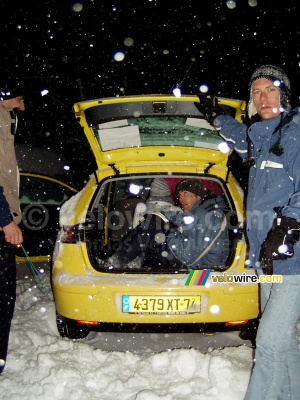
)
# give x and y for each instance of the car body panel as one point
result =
(83, 294)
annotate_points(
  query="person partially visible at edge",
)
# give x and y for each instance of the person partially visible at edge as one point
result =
(200, 239)
(11, 100)
(270, 147)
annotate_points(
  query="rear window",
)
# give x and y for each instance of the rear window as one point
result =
(156, 131)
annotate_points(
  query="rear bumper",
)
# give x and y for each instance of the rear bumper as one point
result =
(160, 328)
(102, 303)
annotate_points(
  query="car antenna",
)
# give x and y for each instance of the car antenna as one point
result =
(178, 85)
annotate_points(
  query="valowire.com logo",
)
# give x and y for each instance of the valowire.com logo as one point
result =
(199, 278)
(245, 278)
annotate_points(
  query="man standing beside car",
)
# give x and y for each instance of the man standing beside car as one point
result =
(270, 147)
(11, 100)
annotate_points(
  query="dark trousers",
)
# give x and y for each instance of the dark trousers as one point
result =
(7, 293)
(149, 241)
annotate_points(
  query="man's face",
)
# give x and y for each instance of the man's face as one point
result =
(187, 199)
(266, 99)
(16, 102)
(19, 103)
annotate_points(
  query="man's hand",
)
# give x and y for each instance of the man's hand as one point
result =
(13, 233)
(279, 244)
(209, 107)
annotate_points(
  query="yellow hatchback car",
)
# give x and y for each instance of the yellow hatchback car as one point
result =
(136, 139)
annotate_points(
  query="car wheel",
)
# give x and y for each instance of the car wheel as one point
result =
(65, 330)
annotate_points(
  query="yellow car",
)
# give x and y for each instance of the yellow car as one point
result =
(136, 139)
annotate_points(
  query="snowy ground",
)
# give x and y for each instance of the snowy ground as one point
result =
(43, 366)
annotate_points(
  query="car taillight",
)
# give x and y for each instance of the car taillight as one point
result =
(89, 323)
(235, 323)
(68, 234)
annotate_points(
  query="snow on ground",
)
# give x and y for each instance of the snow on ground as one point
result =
(43, 366)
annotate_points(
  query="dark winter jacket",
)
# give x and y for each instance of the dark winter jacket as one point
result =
(201, 239)
(274, 181)
(5, 217)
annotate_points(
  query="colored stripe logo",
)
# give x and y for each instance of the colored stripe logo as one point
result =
(197, 278)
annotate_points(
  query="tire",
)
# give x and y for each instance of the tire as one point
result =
(71, 332)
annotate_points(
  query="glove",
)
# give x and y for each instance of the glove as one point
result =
(209, 107)
(279, 244)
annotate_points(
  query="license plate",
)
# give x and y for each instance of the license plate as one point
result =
(161, 304)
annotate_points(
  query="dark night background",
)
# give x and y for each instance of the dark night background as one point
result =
(68, 48)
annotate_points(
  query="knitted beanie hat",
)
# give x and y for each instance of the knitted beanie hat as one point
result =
(10, 87)
(160, 191)
(192, 185)
(280, 80)
(159, 187)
